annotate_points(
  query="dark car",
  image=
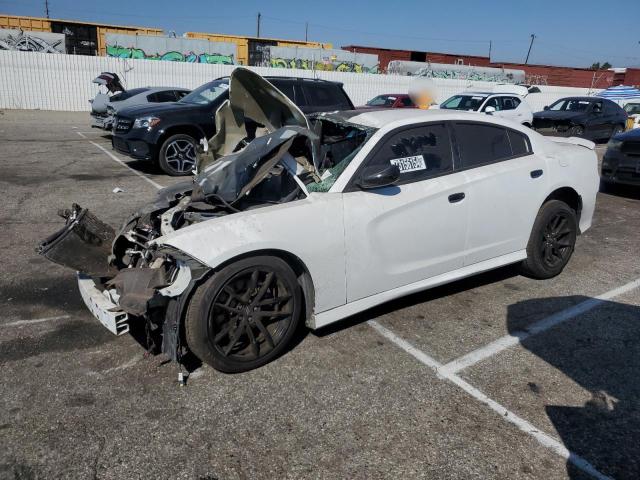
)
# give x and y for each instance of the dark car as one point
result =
(168, 133)
(621, 162)
(588, 117)
(390, 100)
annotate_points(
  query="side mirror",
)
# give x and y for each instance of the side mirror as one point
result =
(489, 110)
(378, 176)
(546, 107)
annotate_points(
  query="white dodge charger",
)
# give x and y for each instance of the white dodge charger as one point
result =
(292, 219)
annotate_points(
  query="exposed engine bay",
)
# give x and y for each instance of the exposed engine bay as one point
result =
(265, 152)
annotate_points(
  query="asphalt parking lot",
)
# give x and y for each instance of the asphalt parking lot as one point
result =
(496, 376)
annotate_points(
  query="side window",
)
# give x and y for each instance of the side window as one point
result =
(168, 96)
(480, 144)
(286, 88)
(406, 101)
(319, 95)
(520, 145)
(180, 94)
(510, 103)
(493, 102)
(597, 107)
(419, 152)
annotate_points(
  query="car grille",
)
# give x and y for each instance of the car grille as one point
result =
(630, 148)
(123, 125)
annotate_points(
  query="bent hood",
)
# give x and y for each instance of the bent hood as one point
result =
(255, 107)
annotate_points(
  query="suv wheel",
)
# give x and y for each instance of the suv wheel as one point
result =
(552, 240)
(245, 315)
(178, 155)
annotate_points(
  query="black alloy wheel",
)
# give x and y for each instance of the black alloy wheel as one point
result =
(552, 240)
(245, 315)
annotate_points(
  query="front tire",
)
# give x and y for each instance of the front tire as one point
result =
(177, 155)
(552, 240)
(245, 315)
(576, 131)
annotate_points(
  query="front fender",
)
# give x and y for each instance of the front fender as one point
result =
(312, 229)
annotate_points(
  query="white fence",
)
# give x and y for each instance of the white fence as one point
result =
(31, 80)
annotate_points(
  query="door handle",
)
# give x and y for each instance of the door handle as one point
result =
(456, 197)
(536, 173)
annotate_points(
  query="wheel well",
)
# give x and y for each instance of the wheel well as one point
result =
(527, 124)
(569, 196)
(298, 267)
(191, 130)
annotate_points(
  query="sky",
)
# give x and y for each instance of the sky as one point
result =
(568, 32)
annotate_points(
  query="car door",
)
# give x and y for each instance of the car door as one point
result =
(410, 231)
(597, 125)
(505, 185)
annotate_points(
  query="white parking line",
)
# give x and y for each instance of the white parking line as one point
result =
(113, 157)
(81, 134)
(554, 320)
(20, 323)
(544, 439)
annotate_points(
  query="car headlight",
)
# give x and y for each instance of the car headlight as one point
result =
(146, 122)
(614, 144)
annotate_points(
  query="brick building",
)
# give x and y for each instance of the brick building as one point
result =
(535, 74)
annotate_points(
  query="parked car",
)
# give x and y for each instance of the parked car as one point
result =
(104, 111)
(393, 100)
(506, 105)
(633, 111)
(169, 133)
(269, 235)
(621, 161)
(588, 117)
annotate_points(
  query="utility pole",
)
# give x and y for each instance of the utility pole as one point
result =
(306, 31)
(46, 8)
(489, 50)
(258, 33)
(533, 37)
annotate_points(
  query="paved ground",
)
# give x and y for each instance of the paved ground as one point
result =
(391, 393)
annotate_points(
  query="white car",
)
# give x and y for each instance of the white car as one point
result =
(319, 218)
(633, 110)
(506, 105)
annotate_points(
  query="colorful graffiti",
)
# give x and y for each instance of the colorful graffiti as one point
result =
(30, 42)
(191, 57)
(329, 66)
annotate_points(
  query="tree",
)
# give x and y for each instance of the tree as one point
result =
(599, 66)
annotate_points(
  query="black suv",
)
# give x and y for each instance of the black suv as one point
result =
(168, 132)
(589, 117)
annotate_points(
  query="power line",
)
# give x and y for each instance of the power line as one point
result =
(533, 37)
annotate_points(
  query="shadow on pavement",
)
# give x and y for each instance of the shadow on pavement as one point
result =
(600, 351)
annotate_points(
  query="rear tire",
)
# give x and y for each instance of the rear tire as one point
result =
(245, 315)
(552, 240)
(576, 131)
(177, 155)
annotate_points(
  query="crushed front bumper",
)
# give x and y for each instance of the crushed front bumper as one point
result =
(102, 307)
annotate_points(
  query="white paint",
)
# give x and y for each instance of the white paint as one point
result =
(81, 134)
(554, 320)
(33, 80)
(20, 323)
(545, 440)
(140, 174)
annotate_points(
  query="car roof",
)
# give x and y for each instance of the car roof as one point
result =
(381, 118)
(303, 79)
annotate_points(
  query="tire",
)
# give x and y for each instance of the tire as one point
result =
(220, 324)
(177, 155)
(576, 131)
(552, 240)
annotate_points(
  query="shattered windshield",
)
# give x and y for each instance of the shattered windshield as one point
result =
(340, 143)
(207, 93)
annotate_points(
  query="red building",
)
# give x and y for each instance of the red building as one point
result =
(535, 74)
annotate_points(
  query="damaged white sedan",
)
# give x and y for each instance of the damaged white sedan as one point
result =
(293, 219)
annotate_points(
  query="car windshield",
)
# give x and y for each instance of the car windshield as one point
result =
(570, 105)
(632, 108)
(207, 93)
(463, 102)
(382, 101)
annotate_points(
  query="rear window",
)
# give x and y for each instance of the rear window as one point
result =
(286, 88)
(519, 143)
(118, 97)
(159, 97)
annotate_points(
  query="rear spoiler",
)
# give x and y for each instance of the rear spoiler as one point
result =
(574, 141)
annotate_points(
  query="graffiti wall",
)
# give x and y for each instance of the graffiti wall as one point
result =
(171, 49)
(456, 72)
(320, 59)
(25, 41)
